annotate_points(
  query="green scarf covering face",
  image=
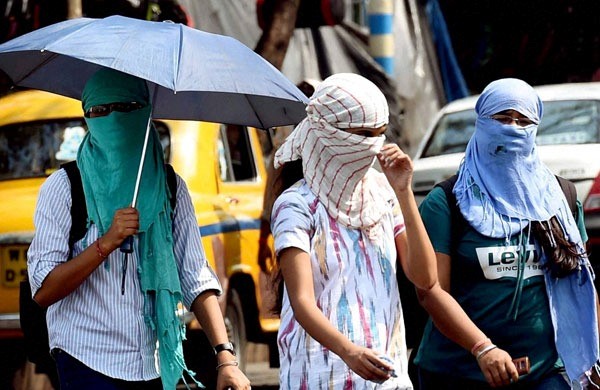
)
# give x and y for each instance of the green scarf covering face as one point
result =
(108, 159)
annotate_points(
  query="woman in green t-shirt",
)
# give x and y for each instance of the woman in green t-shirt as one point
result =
(513, 259)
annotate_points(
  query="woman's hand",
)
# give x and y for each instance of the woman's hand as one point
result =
(231, 377)
(397, 166)
(498, 368)
(365, 363)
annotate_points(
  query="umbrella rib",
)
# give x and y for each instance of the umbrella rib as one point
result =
(78, 31)
(178, 62)
(41, 64)
(262, 125)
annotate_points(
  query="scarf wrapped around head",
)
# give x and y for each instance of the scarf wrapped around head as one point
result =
(108, 159)
(335, 163)
(512, 185)
(503, 186)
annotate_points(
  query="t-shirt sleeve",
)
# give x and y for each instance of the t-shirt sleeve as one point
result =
(291, 222)
(437, 220)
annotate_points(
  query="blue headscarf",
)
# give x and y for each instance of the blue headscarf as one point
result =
(502, 187)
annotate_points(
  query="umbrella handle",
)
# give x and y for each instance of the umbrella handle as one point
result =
(127, 245)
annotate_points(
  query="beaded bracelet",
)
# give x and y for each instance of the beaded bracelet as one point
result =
(102, 255)
(479, 344)
(229, 363)
(484, 351)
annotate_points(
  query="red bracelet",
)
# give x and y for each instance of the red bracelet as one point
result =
(479, 344)
(100, 250)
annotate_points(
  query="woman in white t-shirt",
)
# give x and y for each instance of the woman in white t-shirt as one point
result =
(339, 234)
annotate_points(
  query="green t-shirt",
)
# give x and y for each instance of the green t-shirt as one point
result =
(483, 281)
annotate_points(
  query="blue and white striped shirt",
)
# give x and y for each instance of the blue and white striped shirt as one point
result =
(95, 323)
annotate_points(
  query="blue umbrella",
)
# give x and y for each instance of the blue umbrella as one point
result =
(191, 74)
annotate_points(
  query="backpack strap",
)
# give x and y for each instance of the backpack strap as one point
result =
(568, 188)
(447, 185)
(78, 207)
(457, 221)
(172, 184)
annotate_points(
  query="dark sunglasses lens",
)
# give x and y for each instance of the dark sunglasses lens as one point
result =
(504, 119)
(525, 122)
(105, 109)
(126, 107)
(95, 111)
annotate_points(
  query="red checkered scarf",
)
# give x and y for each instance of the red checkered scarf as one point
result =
(336, 164)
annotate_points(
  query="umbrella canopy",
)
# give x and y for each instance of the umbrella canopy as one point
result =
(191, 74)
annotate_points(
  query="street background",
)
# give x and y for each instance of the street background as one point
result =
(441, 50)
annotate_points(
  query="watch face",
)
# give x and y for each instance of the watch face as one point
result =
(225, 347)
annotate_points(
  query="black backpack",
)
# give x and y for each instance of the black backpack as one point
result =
(415, 316)
(32, 316)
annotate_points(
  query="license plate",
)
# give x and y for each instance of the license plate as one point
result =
(14, 264)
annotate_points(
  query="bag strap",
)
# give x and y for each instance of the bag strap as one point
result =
(568, 188)
(172, 184)
(79, 209)
(457, 221)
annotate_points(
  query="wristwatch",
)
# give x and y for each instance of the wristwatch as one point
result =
(225, 347)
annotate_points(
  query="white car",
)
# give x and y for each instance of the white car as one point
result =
(568, 142)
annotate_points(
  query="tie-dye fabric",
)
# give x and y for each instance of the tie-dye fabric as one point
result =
(355, 287)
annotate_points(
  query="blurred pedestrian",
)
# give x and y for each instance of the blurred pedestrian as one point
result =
(104, 335)
(340, 233)
(511, 253)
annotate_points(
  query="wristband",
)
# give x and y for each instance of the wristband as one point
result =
(485, 351)
(229, 363)
(99, 251)
(478, 345)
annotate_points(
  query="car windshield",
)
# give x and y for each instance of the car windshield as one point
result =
(564, 122)
(36, 149)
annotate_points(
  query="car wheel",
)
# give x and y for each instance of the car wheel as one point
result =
(236, 328)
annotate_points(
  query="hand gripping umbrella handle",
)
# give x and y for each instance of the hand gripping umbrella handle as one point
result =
(127, 244)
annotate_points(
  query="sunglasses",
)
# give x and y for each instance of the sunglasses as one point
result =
(508, 120)
(105, 109)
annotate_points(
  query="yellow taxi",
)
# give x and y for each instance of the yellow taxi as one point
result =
(224, 169)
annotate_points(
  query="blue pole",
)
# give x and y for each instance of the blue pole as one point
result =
(381, 38)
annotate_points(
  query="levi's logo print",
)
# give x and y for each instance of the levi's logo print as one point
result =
(503, 261)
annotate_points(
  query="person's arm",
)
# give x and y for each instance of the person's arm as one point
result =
(297, 274)
(200, 287)
(52, 276)
(452, 321)
(427, 270)
(207, 311)
(415, 251)
(68, 276)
